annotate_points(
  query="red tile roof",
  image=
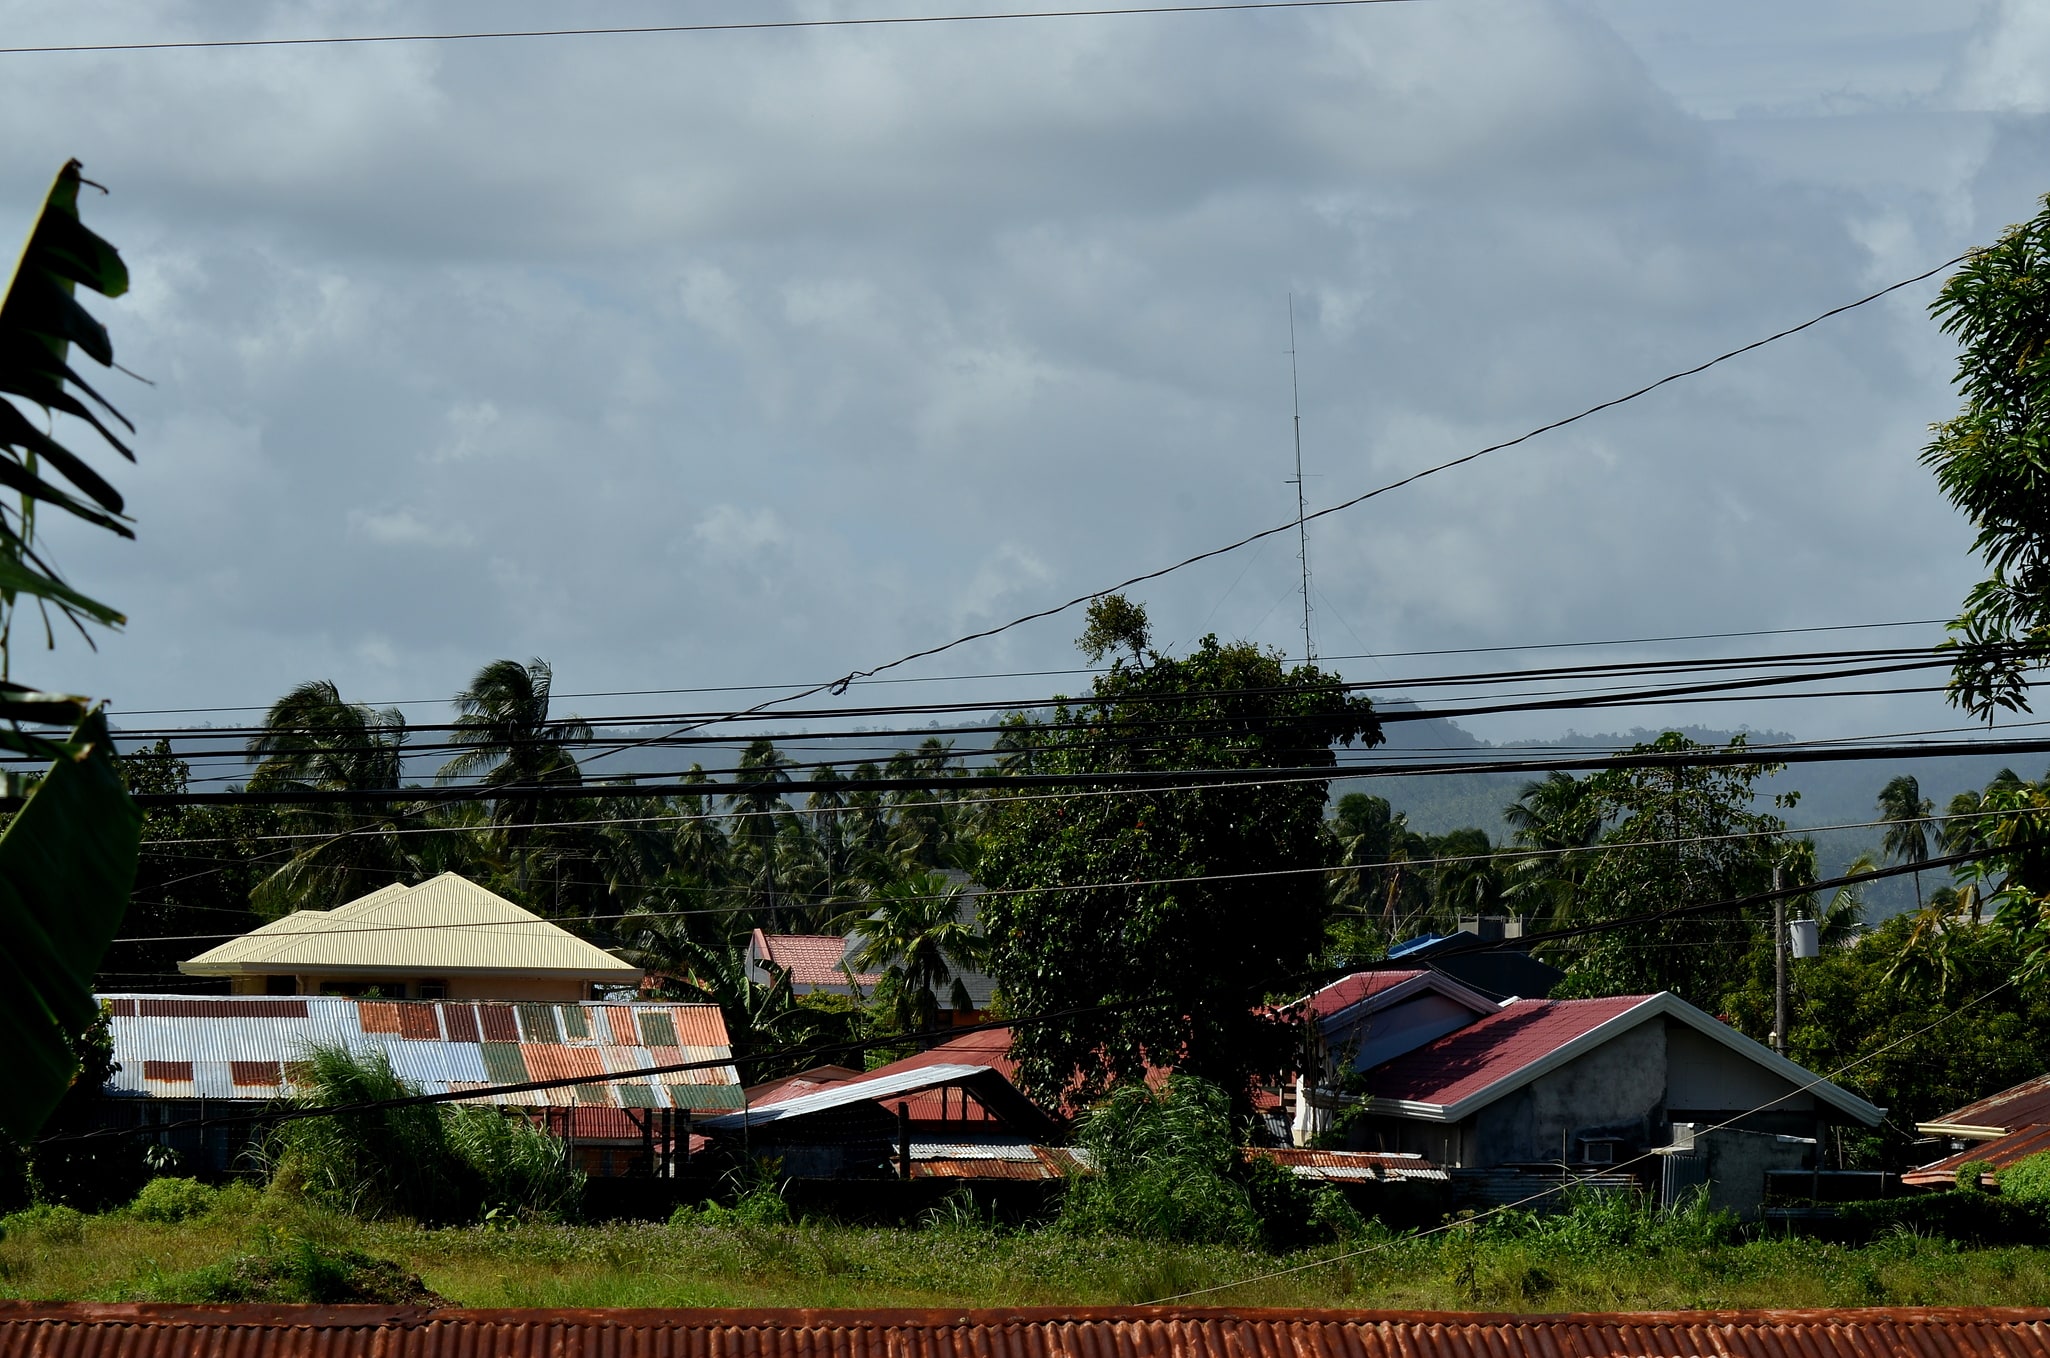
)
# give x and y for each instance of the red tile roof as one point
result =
(1486, 1052)
(104, 1329)
(2012, 1149)
(812, 959)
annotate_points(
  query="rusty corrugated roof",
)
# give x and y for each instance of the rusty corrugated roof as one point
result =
(2013, 1108)
(102, 1330)
(2000, 1153)
(228, 1047)
(1360, 1166)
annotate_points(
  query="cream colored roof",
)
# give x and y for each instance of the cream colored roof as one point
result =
(445, 925)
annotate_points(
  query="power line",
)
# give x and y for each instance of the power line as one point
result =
(646, 30)
(1408, 480)
(568, 1082)
(1159, 779)
(1050, 674)
(1507, 854)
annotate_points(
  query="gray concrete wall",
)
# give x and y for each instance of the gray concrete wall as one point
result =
(1736, 1164)
(1618, 1089)
(1709, 1077)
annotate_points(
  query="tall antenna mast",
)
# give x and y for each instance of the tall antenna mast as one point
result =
(1302, 528)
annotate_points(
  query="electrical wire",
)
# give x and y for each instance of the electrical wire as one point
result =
(738, 26)
(1155, 1001)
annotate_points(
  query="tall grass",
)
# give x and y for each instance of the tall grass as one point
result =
(430, 1162)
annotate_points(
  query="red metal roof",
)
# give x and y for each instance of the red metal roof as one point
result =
(1344, 994)
(2026, 1104)
(1492, 1049)
(2011, 1149)
(94, 1329)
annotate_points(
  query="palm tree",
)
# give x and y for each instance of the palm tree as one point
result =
(313, 740)
(760, 813)
(1556, 818)
(913, 933)
(502, 721)
(1907, 816)
(511, 743)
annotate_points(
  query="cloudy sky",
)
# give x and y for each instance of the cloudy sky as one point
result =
(723, 359)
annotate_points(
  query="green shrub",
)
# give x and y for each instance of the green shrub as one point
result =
(304, 1272)
(1165, 1167)
(1971, 1175)
(172, 1200)
(1971, 1218)
(2027, 1180)
(45, 1221)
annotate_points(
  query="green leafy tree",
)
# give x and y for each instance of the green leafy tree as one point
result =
(1989, 460)
(1088, 908)
(510, 741)
(1676, 836)
(1891, 1036)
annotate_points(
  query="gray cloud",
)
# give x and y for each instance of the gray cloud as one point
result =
(706, 360)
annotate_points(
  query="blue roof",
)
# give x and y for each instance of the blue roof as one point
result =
(1418, 944)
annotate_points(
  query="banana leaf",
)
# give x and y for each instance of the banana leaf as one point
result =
(67, 866)
(41, 322)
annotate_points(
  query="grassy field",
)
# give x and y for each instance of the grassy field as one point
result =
(118, 1257)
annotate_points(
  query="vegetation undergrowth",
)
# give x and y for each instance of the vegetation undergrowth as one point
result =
(1603, 1254)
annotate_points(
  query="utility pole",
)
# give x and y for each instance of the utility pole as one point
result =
(1302, 530)
(1779, 962)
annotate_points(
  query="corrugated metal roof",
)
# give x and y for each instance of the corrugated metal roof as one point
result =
(878, 1086)
(97, 1329)
(2023, 1105)
(2001, 1153)
(1353, 1166)
(228, 1047)
(446, 925)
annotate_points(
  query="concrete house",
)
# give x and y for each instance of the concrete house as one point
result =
(1644, 1082)
(445, 939)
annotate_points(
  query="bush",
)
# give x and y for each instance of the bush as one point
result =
(1972, 1218)
(1971, 1175)
(172, 1200)
(2027, 1180)
(1164, 1168)
(517, 1167)
(45, 1221)
(431, 1162)
(304, 1272)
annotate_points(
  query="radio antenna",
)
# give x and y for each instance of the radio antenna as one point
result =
(1302, 526)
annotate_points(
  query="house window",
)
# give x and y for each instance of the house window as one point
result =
(1598, 1150)
(433, 990)
(280, 985)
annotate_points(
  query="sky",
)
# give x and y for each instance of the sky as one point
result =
(693, 360)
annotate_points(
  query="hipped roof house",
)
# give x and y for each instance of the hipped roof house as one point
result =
(446, 938)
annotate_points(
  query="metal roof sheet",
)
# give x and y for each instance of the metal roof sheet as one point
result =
(445, 925)
(97, 1329)
(216, 1046)
(880, 1086)
(2001, 1153)
(2022, 1105)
